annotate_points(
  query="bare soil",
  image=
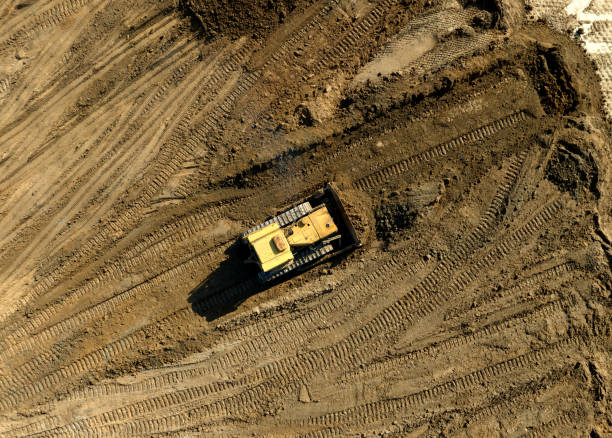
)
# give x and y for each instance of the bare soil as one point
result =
(139, 139)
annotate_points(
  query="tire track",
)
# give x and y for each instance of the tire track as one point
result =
(450, 51)
(55, 87)
(173, 153)
(339, 350)
(285, 376)
(425, 27)
(293, 331)
(396, 363)
(52, 95)
(69, 175)
(495, 296)
(374, 179)
(545, 429)
(361, 415)
(126, 49)
(380, 410)
(131, 130)
(49, 18)
(4, 88)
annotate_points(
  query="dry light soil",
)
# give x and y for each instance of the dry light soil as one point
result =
(140, 138)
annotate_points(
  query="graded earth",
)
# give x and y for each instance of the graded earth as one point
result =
(468, 140)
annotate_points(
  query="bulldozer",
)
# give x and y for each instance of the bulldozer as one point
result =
(301, 237)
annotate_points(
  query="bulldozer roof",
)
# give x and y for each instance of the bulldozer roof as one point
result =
(270, 246)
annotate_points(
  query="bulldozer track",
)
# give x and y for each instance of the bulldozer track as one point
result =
(469, 146)
(295, 329)
(34, 427)
(537, 388)
(170, 158)
(545, 429)
(290, 370)
(278, 57)
(362, 415)
(310, 172)
(247, 332)
(98, 357)
(421, 293)
(377, 411)
(530, 282)
(82, 365)
(184, 375)
(49, 18)
(99, 310)
(390, 270)
(399, 313)
(167, 423)
(500, 407)
(130, 259)
(135, 410)
(149, 247)
(214, 120)
(375, 179)
(15, 344)
(501, 122)
(354, 35)
(285, 375)
(396, 363)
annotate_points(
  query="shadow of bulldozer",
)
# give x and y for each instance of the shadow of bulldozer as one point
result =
(234, 281)
(226, 287)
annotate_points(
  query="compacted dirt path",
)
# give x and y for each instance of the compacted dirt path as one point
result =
(470, 142)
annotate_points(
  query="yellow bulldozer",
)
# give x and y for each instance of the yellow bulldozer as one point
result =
(301, 236)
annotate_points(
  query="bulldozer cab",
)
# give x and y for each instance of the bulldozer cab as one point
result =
(270, 247)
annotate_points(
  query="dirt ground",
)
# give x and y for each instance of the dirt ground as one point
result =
(469, 140)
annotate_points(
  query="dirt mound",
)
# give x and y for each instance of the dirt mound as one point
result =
(243, 17)
(572, 171)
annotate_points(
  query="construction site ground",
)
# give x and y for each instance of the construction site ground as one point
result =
(468, 140)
